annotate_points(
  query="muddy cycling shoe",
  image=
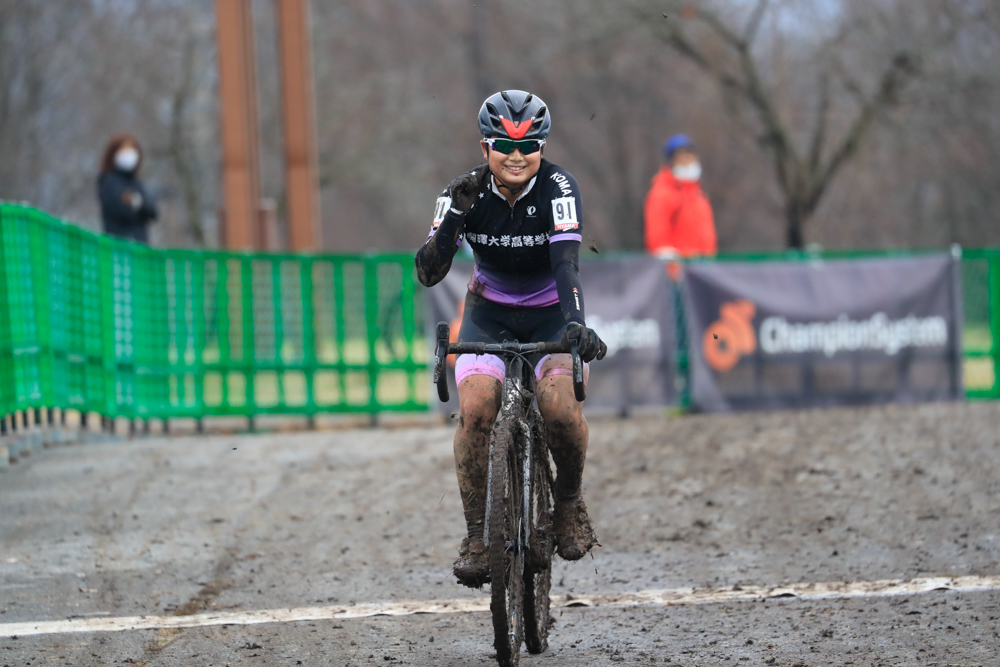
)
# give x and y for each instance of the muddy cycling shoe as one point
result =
(472, 567)
(574, 536)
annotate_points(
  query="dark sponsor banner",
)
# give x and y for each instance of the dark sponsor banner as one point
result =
(840, 332)
(629, 303)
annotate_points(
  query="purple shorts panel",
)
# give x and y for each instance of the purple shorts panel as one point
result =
(558, 364)
(478, 364)
(492, 365)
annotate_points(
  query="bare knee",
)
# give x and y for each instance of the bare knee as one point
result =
(478, 403)
(558, 404)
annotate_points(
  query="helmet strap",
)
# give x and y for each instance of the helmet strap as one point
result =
(504, 185)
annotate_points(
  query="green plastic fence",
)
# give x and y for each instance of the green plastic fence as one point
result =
(981, 333)
(98, 324)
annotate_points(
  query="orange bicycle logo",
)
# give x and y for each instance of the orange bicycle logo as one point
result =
(731, 336)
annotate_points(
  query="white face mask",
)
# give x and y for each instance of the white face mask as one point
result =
(687, 172)
(126, 159)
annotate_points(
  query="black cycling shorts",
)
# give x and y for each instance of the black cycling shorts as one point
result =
(486, 321)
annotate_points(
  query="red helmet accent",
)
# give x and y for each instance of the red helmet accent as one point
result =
(517, 130)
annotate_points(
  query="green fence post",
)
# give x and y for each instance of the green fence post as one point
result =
(308, 334)
(249, 351)
(407, 294)
(105, 272)
(43, 314)
(198, 332)
(221, 316)
(279, 331)
(340, 324)
(371, 328)
(994, 314)
(7, 212)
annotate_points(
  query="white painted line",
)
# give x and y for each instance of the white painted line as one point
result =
(668, 597)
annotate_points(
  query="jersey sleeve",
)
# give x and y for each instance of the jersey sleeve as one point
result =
(433, 259)
(565, 235)
(565, 206)
(441, 207)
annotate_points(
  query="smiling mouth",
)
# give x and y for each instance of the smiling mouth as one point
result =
(516, 171)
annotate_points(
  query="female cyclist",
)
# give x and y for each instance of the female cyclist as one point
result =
(522, 216)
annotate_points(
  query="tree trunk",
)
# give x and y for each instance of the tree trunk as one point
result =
(794, 221)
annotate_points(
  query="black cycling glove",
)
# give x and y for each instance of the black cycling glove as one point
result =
(588, 343)
(464, 190)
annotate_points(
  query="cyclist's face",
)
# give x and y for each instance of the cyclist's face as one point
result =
(514, 169)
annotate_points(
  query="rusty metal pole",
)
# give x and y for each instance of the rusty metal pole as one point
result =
(298, 107)
(240, 130)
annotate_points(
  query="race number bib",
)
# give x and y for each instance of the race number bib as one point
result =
(440, 209)
(564, 213)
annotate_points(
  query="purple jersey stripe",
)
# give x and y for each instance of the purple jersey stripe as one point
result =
(566, 237)
(531, 294)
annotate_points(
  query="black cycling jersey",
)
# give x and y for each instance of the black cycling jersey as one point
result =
(526, 254)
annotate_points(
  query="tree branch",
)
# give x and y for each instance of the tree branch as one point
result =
(719, 28)
(750, 33)
(680, 42)
(819, 132)
(786, 160)
(902, 68)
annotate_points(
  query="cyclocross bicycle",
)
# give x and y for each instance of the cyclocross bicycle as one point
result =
(518, 528)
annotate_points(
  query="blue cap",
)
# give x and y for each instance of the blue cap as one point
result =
(675, 142)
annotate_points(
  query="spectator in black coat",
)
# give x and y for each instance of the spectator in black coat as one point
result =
(126, 208)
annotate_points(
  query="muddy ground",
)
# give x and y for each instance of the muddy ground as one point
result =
(168, 526)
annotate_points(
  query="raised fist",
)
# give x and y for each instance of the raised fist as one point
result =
(464, 190)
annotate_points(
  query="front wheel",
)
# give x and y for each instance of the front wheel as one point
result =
(505, 548)
(538, 572)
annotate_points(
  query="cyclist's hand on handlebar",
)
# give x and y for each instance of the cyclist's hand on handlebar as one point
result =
(465, 189)
(588, 343)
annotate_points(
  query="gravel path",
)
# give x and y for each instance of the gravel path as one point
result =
(180, 526)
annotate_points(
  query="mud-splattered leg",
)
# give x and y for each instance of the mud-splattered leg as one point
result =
(568, 434)
(479, 402)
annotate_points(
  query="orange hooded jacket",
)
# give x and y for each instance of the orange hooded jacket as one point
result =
(679, 216)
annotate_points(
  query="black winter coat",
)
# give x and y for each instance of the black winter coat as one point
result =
(126, 207)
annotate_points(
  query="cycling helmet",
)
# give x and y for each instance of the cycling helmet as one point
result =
(514, 114)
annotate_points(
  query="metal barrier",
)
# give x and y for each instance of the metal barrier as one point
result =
(102, 325)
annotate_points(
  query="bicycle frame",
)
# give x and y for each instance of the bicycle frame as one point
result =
(514, 618)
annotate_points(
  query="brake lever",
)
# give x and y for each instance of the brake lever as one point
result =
(440, 364)
(578, 387)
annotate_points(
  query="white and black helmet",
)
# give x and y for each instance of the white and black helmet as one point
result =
(514, 114)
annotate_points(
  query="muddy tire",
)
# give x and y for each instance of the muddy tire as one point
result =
(506, 555)
(538, 571)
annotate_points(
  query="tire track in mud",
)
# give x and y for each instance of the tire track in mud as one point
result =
(196, 604)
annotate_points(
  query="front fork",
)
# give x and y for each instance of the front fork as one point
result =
(512, 402)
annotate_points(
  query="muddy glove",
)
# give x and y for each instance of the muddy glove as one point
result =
(588, 343)
(464, 190)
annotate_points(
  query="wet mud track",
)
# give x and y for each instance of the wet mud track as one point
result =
(182, 526)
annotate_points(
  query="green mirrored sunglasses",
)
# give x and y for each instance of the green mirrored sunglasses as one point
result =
(508, 146)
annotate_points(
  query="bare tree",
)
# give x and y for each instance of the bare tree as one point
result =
(856, 123)
(805, 169)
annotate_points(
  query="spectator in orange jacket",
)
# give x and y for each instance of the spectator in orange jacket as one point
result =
(678, 215)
